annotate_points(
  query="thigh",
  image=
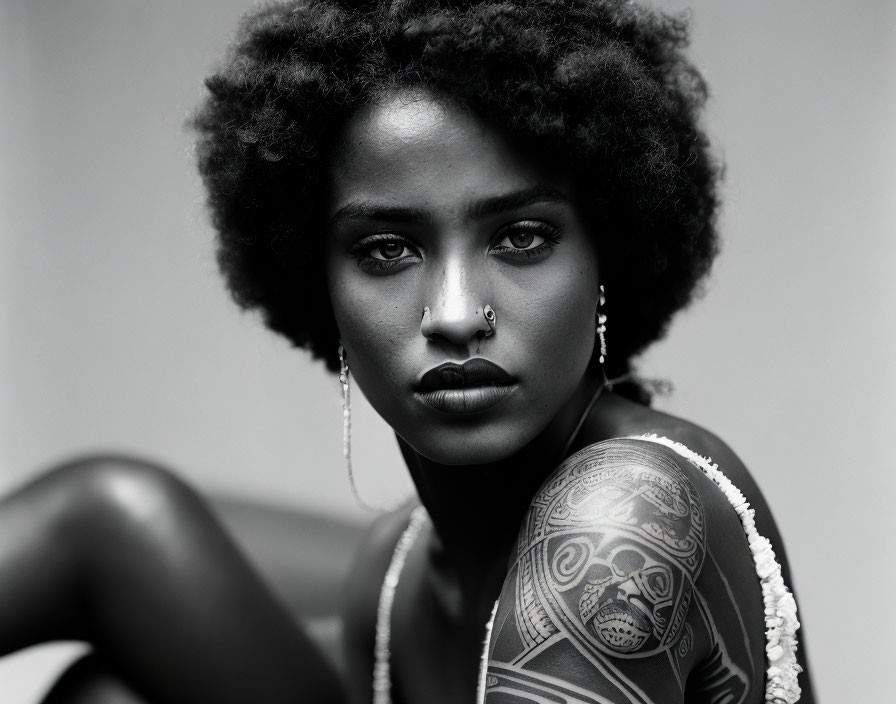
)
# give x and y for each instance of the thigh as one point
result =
(91, 680)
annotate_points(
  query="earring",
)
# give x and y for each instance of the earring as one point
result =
(602, 329)
(345, 382)
(347, 425)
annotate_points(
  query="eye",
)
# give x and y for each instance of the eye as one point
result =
(384, 252)
(525, 240)
(389, 250)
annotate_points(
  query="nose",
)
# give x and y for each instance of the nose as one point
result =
(458, 312)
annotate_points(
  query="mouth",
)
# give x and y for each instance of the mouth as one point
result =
(471, 387)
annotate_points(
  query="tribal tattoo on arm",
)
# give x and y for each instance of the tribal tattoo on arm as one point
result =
(598, 604)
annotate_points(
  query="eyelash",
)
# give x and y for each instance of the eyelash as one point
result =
(549, 233)
(363, 249)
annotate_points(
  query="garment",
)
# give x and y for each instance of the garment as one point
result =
(781, 686)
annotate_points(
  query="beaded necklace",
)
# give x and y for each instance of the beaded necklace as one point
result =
(780, 608)
(382, 678)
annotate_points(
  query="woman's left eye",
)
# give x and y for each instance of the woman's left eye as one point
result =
(523, 240)
(526, 239)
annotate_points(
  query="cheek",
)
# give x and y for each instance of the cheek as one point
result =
(561, 319)
(371, 327)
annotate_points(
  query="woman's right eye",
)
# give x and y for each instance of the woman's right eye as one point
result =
(384, 252)
(389, 250)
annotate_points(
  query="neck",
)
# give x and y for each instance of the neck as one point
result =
(477, 510)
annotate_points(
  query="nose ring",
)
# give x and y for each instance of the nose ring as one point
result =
(427, 327)
(491, 319)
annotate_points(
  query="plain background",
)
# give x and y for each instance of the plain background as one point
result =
(116, 333)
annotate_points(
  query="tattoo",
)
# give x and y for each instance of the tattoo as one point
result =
(605, 570)
(612, 547)
(747, 652)
(517, 686)
(720, 678)
(687, 640)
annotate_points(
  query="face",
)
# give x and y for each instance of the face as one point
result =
(462, 279)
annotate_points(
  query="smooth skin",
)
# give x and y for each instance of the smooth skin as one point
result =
(122, 554)
(430, 208)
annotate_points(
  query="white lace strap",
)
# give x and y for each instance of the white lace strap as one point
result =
(781, 621)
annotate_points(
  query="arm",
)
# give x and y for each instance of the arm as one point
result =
(603, 602)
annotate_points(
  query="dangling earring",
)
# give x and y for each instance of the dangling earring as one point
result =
(347, 425)
(602, 332)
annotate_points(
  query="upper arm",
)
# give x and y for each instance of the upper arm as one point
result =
(599, 603)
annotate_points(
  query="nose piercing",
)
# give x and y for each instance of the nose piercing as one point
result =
(491, 319)
(427, 327)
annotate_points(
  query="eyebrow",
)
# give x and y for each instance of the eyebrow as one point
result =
(360, 210)
(518, 199)
(486, 207)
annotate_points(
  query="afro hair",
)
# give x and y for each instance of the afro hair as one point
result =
(601, 85)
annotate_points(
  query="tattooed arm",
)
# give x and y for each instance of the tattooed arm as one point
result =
(605, 603)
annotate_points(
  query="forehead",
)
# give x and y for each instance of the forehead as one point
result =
(406, 118)
(413, 146)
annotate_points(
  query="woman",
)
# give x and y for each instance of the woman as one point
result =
(483, 212)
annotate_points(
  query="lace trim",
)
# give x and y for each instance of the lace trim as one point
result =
(781, 621)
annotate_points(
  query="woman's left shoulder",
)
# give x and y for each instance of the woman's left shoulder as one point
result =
(614, 590)
(633, 571)
(620, 418)
(695, 444)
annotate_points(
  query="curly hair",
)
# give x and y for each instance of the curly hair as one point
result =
(600, 84)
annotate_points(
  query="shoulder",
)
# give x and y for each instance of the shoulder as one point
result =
(619, 514)
(625, 418)
(619, 418)
(605, 574)
(614, 587)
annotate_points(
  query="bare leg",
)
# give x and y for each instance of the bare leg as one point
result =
(91, 681)
(122, 554)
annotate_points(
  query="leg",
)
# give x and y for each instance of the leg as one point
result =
(91, 681)
(124, 555)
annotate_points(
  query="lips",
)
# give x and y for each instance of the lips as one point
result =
(471, 387)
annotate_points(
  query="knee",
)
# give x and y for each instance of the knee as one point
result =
(117, 492)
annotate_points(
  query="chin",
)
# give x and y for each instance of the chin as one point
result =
(459, 449)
